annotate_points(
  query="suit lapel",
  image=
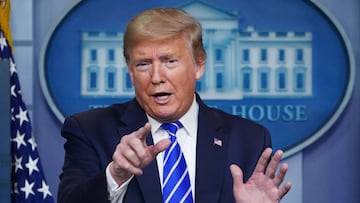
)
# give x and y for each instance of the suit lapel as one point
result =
(210, 156)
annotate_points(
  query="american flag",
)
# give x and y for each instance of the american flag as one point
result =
(217, 142)
(27, 177)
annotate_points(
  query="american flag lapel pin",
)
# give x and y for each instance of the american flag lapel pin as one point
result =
(217, 142)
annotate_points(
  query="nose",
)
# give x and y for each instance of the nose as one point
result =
(157, 73)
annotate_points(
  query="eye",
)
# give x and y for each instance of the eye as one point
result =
(142, 66)
(171, 63)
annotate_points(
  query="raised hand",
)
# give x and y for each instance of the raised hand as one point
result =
(264, 186)
(132, 154)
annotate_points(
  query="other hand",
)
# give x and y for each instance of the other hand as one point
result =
(264, 185)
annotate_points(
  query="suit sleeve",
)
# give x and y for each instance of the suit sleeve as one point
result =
(83, 179)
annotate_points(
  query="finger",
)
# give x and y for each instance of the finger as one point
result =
(284, 190)
(272, 166)
(237, 176)
(132, 148)
(147, 153)
(132, 156)
(138, 145)
(154, 150)
(162, 145)
(263, 161)
(281, 174)
(143, 132)
(124, 167)
(125, 157)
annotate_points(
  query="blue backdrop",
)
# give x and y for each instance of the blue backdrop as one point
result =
(326, 171)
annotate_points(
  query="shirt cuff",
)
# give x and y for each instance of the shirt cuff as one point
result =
(116, 192)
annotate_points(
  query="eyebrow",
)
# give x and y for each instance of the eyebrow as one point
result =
(142, 60)
(164, 57)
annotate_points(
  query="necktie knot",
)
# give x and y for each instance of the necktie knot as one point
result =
(172, 128)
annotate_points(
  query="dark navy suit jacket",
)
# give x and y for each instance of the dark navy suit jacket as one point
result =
(91, 138)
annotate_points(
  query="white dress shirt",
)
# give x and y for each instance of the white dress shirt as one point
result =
(186, 137)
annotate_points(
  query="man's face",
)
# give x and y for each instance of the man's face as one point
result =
(164, 75)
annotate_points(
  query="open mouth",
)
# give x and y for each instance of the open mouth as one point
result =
(161, 97)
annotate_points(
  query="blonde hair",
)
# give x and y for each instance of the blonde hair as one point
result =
(163, 24)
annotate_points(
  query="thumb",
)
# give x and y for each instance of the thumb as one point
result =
(159, 147)
(237, 175)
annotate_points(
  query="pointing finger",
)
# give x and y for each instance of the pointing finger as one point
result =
(143, 132)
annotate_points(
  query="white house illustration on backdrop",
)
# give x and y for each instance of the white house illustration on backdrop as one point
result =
(240, 63)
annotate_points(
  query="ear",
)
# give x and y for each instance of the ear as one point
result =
(200, 67)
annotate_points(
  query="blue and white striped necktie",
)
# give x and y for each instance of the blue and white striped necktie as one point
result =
(176, 181)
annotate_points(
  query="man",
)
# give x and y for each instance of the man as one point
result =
(117, 153)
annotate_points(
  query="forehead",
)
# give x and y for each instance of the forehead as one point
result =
(168, 47)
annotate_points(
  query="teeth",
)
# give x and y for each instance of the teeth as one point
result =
(162, 96)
